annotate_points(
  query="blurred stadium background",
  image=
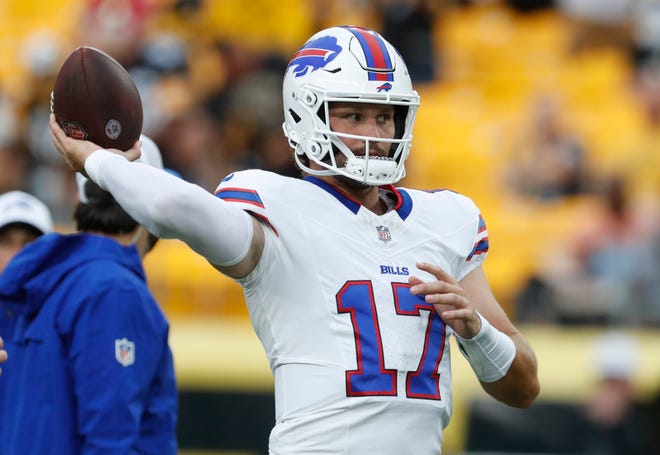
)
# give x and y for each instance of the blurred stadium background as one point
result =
(489, 73)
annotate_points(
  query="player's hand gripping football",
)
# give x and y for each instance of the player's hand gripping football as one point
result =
(449, 300)
(76, 151)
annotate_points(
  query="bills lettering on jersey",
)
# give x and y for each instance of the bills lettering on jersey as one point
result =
(394, 270)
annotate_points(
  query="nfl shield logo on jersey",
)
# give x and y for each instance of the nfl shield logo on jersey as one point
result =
(125, 352)
(383, 233)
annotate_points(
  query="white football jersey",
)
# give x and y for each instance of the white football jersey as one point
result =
(361, 366)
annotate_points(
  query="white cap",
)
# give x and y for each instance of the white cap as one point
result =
(21, 207)
(615, 355)
(150, 155)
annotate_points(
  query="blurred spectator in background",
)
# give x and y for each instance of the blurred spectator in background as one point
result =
(14, 167)
(249, 112)
(639, 158)
(14, 163)
(598, 23)
(645, 167)
(547, 161)
(23, 218)
(409, 25)
(645, 31)
(607, 273)
(614, 422)
(529, 6)
(647, 85)
(337, 12)
(192, 146)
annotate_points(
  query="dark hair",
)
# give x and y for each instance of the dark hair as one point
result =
(102, 213)
(31, 230)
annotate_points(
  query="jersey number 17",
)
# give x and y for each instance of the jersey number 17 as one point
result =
(371, 378)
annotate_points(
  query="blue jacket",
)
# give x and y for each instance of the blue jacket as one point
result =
(90, 370)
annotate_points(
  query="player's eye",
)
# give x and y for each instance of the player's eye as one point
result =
(384, 118)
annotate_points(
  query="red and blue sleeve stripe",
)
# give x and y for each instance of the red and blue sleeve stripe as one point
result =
(247, 197)
(240, 195)
(481, 245)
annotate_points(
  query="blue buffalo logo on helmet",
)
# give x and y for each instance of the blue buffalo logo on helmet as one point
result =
(386, 87)
(314, 55)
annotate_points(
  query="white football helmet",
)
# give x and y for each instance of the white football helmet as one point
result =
(347, 64)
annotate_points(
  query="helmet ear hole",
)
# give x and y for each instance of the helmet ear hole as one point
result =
(296, 118)
(290, 131)
(320, 113)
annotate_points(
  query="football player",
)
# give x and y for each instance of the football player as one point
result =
(354, 286)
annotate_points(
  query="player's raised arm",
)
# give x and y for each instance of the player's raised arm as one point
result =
(169, 207)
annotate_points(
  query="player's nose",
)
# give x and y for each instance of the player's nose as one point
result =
(372, 128)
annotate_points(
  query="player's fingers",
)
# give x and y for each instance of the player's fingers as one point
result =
(55, 131)
(57, 141)
(436, 288)
(413, 280)
(134, 152)
(59, 138)
(453, 314)
(58, 145)
(2, 343)
(436, 271)
(450, 300)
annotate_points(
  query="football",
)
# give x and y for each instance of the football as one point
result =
(95, 99)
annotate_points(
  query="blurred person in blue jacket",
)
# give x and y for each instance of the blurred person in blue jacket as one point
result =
(23, 218)
(90, 368)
